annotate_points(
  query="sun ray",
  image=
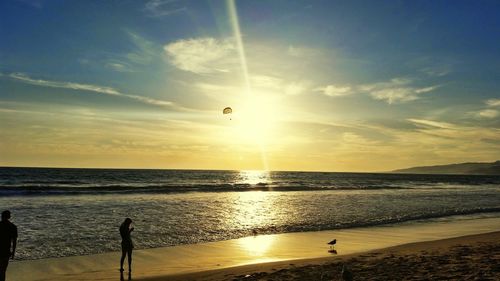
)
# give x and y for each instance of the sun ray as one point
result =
(233, 15)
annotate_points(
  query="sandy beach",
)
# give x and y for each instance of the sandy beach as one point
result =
(473, 257)
(411, 249)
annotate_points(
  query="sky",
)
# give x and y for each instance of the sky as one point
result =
(314, 85)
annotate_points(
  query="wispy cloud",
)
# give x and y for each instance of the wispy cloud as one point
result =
(160, 8)
(145, 51)
(437, 71)
(488, 113)
(68, 85)
(88, 87)
(140, 55)
(119, 66)
(433, 124)
(493, 102)
(397, 90)
(201, 55)
(335, 91)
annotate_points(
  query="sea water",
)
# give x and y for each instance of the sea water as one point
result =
(65, 212)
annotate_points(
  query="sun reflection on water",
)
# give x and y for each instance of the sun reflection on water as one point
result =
(251, 209)
(254, 177)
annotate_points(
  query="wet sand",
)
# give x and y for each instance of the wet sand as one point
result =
(475, 257)
(285, 256)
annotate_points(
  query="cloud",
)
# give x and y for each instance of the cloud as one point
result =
(488, 113)
(394, 95)
(68, 85)
(146, 51)
(493, 102)
(397, 90)
(140, 54)
(433, 124)
(437, 70)
(335, 91)
(201, 55)
(160, 8)
(87, 87)
(118, 66)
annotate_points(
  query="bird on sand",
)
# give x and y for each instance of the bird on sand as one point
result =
(332, 246)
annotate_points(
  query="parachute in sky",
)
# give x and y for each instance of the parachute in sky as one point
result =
(227, 110)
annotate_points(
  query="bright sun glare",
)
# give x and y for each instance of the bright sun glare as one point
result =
(255, 120)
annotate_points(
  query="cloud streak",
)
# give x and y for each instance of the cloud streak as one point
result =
(493, 102)
(488, 113)
(432, 124)
(88, 87)
(161, 8)
(335, 91)
(397, 90)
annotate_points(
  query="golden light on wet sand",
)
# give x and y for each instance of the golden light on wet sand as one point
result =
(257, 245)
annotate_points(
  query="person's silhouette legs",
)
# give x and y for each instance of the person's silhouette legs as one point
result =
(124, 253)
(4, 262)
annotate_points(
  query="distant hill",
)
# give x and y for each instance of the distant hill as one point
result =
(462, 168)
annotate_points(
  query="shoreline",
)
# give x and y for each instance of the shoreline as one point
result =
(442, 259)
(169, 262)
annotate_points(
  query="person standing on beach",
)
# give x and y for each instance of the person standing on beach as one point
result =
(8, 238)
(127, 245)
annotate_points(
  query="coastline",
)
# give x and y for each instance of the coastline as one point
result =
(254, 252)
(470, 257)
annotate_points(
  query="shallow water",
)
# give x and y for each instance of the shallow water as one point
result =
(62, 222)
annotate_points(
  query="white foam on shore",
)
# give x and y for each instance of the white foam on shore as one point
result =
(249, 250)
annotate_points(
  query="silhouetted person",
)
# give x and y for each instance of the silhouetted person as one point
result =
(127, 246)
(8, 238)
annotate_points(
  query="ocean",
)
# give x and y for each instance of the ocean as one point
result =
(67, 212)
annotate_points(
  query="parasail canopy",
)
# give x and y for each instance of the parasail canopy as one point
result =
(227, 110)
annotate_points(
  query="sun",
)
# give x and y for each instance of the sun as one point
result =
(256, 119)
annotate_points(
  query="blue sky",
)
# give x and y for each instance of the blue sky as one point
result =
(332, 85)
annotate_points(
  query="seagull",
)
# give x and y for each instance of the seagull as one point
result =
(332, 246)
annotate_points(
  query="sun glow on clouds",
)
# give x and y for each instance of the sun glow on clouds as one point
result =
(300, 101)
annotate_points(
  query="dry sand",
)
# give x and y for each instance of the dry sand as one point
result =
(257, 256)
